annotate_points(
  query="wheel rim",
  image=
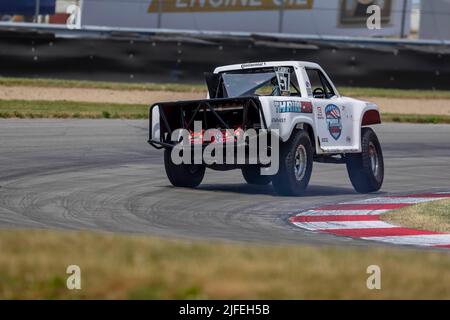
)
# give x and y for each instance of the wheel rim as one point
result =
(300, 162)
(374, 161)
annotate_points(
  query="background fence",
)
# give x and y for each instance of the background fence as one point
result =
(163, 56)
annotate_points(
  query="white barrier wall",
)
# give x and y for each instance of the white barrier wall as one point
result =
(318, 17)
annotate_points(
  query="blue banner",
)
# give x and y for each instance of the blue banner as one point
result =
(26, 7)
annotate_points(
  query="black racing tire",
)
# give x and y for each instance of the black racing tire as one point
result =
(296, 163)
(252, 174)
(366, 169)
(183, 175)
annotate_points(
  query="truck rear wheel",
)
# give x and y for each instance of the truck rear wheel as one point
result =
(183, 175)
(296, 162)
(252, 174)
(366, 169)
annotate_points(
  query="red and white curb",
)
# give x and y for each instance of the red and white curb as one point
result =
(361, 219)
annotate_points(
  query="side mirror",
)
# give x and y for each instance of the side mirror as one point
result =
(319, 93)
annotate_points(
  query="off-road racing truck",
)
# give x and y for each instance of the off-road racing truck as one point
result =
(298, 101)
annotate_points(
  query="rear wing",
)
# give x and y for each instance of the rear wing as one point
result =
(226, 113)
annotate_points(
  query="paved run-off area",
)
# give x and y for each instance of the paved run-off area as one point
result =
(102, 175)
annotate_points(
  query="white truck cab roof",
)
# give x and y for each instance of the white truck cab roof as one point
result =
(265, 64)
(299, 67)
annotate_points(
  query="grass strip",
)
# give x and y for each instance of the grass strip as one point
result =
(93, 110)
(415, 118)
(347, 91)
(432, 216)
(33, 265)
(71, 109)
(357, 92)
(55, 83)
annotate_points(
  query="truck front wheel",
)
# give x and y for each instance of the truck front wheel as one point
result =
(296, 162)
(366, 169)
(183, 175)
(252, 174)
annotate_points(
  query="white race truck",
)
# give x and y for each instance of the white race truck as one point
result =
(295, 99)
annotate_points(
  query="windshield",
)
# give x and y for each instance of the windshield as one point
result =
(242, 84)
(270, 82)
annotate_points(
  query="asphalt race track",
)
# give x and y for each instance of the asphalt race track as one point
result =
(102, 175)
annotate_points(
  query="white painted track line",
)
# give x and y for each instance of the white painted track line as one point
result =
(420, 240)
(343, 225)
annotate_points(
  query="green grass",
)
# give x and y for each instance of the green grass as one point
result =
(92, 110)
(348, 91)
(415, 118)
(356, 92)
(53, 83)
(433, 216)
(70, 109)
(33, 265)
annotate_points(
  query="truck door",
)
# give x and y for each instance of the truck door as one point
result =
(334, 125)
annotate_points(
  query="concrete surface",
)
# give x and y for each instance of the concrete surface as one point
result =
(102, 175)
